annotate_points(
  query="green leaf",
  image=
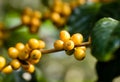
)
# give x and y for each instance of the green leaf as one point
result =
(105, 39)
(83, 19)
(110, 10)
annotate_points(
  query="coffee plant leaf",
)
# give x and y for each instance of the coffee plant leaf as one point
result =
(109, 10)
(82, 19)
(105, 39)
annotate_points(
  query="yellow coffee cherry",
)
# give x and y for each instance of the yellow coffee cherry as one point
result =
(27, 48)
(8, 69)
(33, 43)
(30, 68)
(64, 35)
(35, 22)
(62, 21)
(55, 17)
(23, 55)
(37, 14)
(15, 63)
(13, 52)
(83, 48)
(57, 8)
(34, 61)
(77, 38)
(66, 10)
(79, 53)
(69, 45)
(25, 19)
(35, 54)
(58, 44)
(41, 44)
(20, 46)
(57, 2)
(2, 62)
(27, 11)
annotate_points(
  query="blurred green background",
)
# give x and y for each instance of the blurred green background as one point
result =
(54, 67)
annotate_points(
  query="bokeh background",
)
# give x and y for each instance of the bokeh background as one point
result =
(53, 67)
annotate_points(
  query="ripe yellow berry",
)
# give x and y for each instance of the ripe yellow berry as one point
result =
(55, 17)
(20, 46)
(23, 55)
(8, 69)
(35, 22)
(33, 43)
(58, 44)
(79, 53)
(27, 48)
(62, 21)
(37, 14)
(66, 10)
(57, 2)
(77, 38)
(57, 8)
(83, 48)
(27, 11)
(64, 35)
(69, 45)
(34, 61)
(35, 54)
(2, 62)
(41, 44)
(15, 63)
(30, 68)
(25, 19)
(13, 52)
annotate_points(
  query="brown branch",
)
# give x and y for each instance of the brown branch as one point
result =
(54, 50)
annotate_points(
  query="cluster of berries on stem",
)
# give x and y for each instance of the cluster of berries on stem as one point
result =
(29, 54)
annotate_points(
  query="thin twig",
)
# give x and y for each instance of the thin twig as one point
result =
(43, 51)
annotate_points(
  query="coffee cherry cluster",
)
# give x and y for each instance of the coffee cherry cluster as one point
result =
(60, 11)
(24, 56)
(32, 19)
(70, 44)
